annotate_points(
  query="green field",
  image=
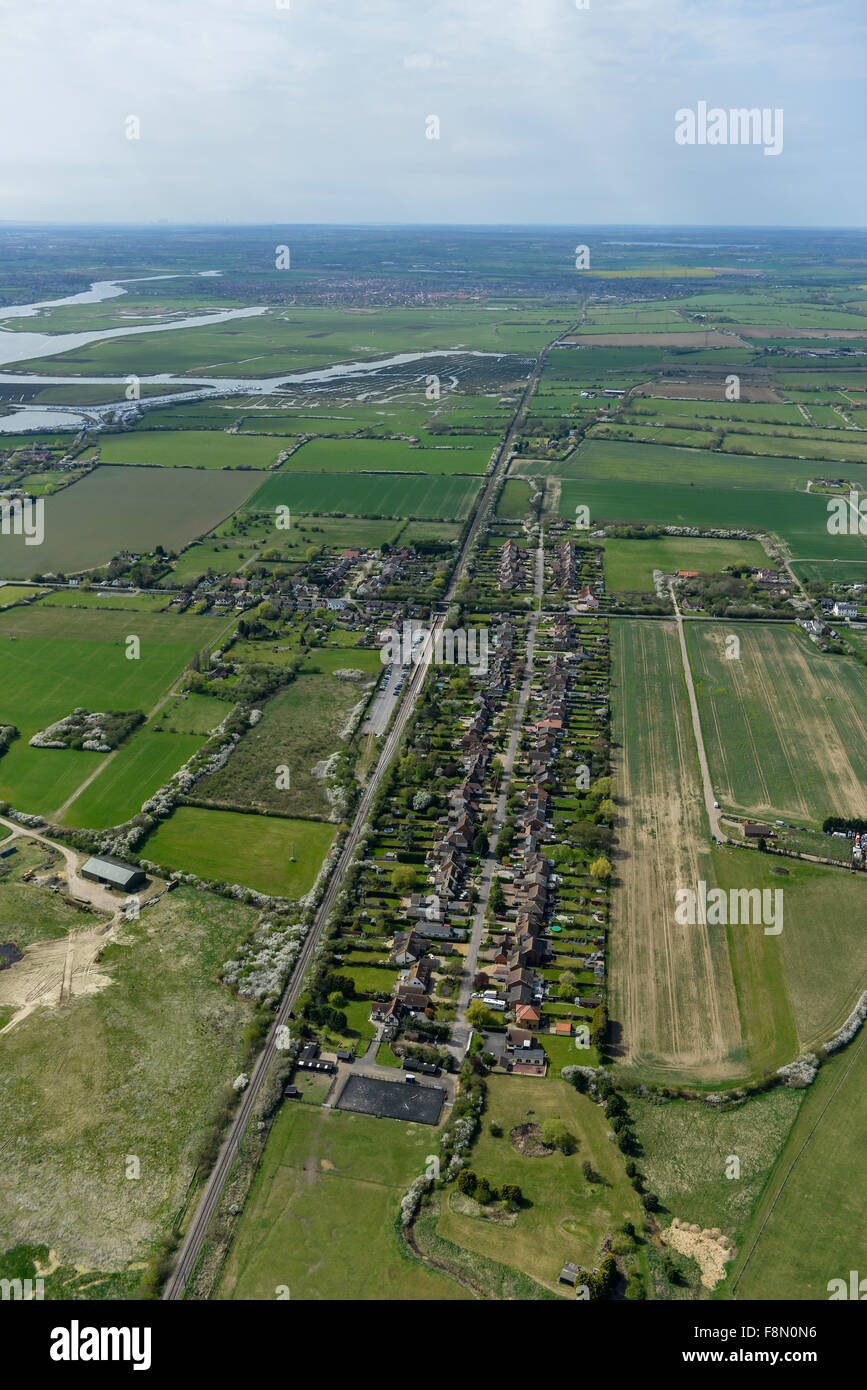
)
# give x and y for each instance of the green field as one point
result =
(271, 854)
(368, 494)
(191, 714)
(130, 776)
(686, 1145)
(113, 509)
(799, 518)
(785, 727)
(320, 1215)
(188, 449)
(94, 598)
(14, 593)
(808, 1227)
(514, 499)
(454, 455)
(796, 989)
(629, 565)
(832, 571)
(57, 659)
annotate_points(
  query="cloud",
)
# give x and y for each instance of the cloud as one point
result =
(317, 112)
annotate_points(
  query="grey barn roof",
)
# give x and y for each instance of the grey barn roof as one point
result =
(116, 873)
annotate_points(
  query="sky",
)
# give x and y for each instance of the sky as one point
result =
(300, 111)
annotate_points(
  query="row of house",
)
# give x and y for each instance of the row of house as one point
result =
(512, 573)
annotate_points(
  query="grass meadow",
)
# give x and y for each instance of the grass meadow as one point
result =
(144, 1064)
(268, 853)
(808, 1228)
(299, 728)
(564, 1217)
(320, 1215)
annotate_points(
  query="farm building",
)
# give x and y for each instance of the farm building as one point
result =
(113, 874)
(752, 830)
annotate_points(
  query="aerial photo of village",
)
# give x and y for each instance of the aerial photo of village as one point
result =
(433, 654)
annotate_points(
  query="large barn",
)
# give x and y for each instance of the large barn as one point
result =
(113, 874)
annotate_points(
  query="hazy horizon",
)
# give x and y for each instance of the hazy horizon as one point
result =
(189, 114)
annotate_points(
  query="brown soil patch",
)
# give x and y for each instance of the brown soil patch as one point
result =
(709, 1248)
(527, 1139)
(51, 972)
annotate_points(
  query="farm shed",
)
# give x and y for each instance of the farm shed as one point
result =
(113, 874)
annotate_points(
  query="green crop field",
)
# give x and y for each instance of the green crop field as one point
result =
(457, 454)
(630, 564)
(188, 449)
(129, 777)
(368, 494)
(117, 508)
(832, 571)
(801, 520)
(665, 466)
(269, 853)
(57, 659)
(320, 1216)
(785, 727)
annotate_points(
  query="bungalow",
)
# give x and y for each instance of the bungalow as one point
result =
(534, 1065)
(436, 931)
